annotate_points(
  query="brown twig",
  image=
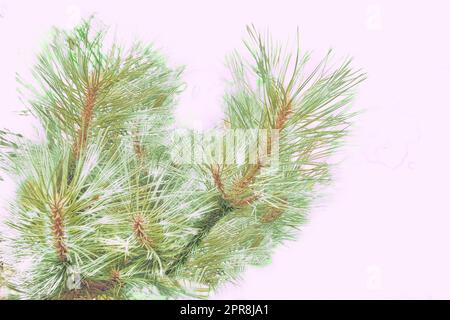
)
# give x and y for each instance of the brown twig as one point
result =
(245, 201)
(139, 231)
(115, 276)
(283, 114)
(215, 171)
(272, 215)
(92, 289)
(58, 229)
(241, 184)
(280, 121)
(137, 146)
(247, 178)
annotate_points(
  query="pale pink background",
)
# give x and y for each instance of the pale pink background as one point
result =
(383, 231)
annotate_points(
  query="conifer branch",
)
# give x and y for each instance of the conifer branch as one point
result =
(252, 172)
(122, 228)
(241, 184)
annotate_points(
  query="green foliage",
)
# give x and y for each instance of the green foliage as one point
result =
(102, 212)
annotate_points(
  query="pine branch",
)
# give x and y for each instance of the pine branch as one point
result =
(296, 107)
